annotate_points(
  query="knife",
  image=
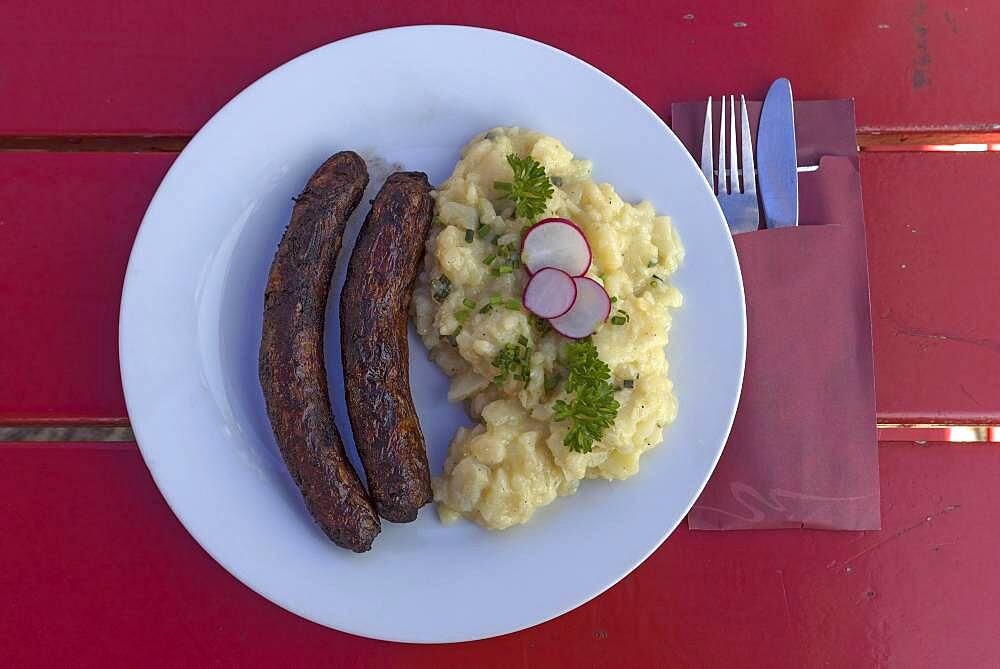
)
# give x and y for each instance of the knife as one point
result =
(776, 159)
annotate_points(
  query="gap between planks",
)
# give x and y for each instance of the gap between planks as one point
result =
(868, 140)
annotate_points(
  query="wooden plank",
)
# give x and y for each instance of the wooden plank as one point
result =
(97, 571)
(66, 227)
(931, 250)
(67, 223)
(165, 66)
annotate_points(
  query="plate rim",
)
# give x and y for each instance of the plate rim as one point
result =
(128, 287)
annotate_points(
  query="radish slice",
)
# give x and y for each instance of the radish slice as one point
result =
(550, 293)
(558, 243)
(591, 308)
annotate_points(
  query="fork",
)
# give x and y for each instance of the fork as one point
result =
(738, 204)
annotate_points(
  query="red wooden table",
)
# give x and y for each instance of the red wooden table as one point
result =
(95, 570)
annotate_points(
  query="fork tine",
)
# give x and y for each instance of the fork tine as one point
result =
(749, 169)
(707, 167)
(723, 181)
(734, 170)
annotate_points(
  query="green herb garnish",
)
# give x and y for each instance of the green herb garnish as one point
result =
(530, 190)
(440, 288)
(513, 361)
(482, 230)
(469, 236)
(488, 260)
(512, 304)
(471, 304)
(593, 408)
(552, 381)
(620, 318)
(505, 269)
(540, 325)
(657, 278)
(462, 314)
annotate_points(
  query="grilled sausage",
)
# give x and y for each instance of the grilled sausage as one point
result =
(373, 321)
(292, 371)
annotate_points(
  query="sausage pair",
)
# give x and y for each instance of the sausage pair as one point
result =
(373, 312)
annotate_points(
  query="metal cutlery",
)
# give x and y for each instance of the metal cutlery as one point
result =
(738, 201)
(776, 157)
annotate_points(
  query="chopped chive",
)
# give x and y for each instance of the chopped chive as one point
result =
(505, 269)
(490, 258)
(482, 230)
(657, 278)
(496, 300)
(513, 305)
(522, 340)
(486, 309)
(628, 383)
(624, 314)
(618, 320)
(469, 236)
(469, 303)
(461, 315)
(614, 299)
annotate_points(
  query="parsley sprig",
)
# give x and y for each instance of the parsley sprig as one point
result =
(593, 408)
(530, 190)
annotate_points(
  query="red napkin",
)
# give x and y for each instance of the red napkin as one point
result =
(802, 451)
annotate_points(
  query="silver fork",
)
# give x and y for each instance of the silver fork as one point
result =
(738, 204)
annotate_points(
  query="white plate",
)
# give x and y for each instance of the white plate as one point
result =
(191, 320)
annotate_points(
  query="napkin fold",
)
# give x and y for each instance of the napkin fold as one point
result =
(803, 448)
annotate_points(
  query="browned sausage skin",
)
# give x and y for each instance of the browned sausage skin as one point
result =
(373, 321)
(292, 370)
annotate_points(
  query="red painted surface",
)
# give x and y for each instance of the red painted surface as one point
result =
(66, 227)
(167, 65)
(932, 233)
(97, 572)
(67, 222)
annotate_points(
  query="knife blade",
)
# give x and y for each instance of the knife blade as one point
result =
(776, 159)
